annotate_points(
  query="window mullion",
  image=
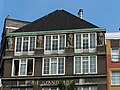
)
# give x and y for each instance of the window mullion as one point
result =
(89, 41)
(81, 64)
(57, 65)
(82, 41)
(22, 44)
(51, 42)
(29, 44)
(50, 66)
(58, 41)
(89, 64)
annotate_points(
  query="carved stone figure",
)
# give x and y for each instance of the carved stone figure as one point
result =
(69, 41)
(10, 43)
(100, 39)
(40, 39)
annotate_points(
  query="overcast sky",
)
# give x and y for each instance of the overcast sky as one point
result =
(103, 13)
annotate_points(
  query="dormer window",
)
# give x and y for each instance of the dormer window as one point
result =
(25, 45)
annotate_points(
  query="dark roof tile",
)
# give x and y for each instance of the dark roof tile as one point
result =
(57, 20)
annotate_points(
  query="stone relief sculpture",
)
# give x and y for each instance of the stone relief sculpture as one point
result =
(39, 41)
(10, 43)
(69, 41)
(100, 38)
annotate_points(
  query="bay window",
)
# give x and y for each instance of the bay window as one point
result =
(54, 44)
(22, 67)
(54, 66)
(85, 42)
(25, 45)
(85, 64)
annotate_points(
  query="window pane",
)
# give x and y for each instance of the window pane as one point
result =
(85, 64)
(62, 42)
(115, 78)
(92, 40)
(16, 68)
(55, 43)
(25, 44)
(32, 43)
(85, 41)
(30, 67)
(85, 88)
(46, 66)
(19, 44)
(60, 65)
(23, 67)
(78, 41)
(77, 64)
(48, 43)
(53, 65)
(92, 64)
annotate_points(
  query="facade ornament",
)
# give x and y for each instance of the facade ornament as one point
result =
(10, 43)
(69, 41)
(100, 39)
(39, 41)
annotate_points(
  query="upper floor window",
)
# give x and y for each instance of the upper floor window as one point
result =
(85, 64)
(25, 45)
(54, 66)
(115, 78)
(54, 44)
(87, 88)
(85, 42)
(115, 54)
(22, 67)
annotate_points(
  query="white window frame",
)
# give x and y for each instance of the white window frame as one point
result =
(53, 51)
(117, 79)
(85, 50)
(112, 59)
(50, 66)
(82, 65)
(22, 52)
(19, 66)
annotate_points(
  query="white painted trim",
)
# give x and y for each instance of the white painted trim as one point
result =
(50, 66)
(53, 51)
(12, 27)
(88, 65)
(21, 52)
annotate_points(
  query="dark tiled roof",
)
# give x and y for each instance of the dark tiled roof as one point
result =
(57, 20)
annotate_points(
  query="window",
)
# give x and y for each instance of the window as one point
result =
(25, 45)
(85, 42)
(22, 89)
(54, 44)
(22, 67)
(87, 88)
(115, 77)
(85, 64)
(54, 66)
(50, 88)
(115, 54)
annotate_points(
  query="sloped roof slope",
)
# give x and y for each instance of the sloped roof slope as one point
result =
(57, 20)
